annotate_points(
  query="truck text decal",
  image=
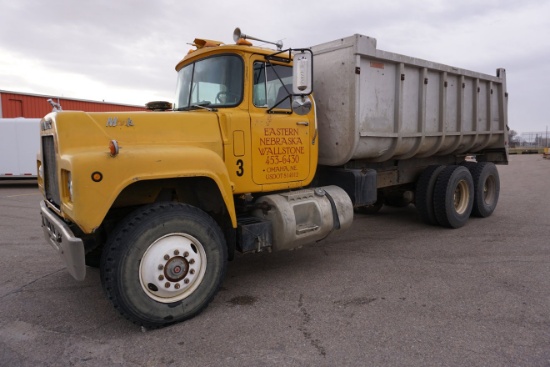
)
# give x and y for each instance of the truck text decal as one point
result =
(282, 149)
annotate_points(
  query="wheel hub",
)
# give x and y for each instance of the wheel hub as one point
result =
(172, 267)
(176, 269)
(461, 197)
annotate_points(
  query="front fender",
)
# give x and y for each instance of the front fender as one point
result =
(92, 198)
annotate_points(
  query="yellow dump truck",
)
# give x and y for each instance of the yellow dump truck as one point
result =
(263, 150)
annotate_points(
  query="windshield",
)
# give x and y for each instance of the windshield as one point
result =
(268, 88)
(214, 82)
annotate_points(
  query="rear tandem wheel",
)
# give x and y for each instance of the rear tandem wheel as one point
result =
(486, 188)
(453, 196)
(424, 193)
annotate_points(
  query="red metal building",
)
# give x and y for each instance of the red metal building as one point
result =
(16, 104)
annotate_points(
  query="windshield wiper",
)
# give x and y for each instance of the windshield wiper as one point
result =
(200, 105)
(205, 108)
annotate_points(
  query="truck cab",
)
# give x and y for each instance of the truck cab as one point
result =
(266, 145)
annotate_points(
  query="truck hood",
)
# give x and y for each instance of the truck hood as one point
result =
(75, 130)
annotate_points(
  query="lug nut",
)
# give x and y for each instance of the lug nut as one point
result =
(192, 261)
(161, 277)
(176, 252)
(192, 271)
(167, 285)
(185, 254)
(166, 257)
(177, 286)
(186, 281)
(161, 267)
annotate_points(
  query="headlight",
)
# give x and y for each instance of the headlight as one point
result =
(70, 186)
(67, 187)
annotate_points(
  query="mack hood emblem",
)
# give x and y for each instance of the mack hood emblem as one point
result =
(113, 121)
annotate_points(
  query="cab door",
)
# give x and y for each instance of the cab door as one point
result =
(280, 139)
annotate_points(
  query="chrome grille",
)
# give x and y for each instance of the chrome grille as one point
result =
(51, 183)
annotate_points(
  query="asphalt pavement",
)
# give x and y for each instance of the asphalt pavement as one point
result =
(391, 291)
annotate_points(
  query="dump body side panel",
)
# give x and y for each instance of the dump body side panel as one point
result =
(377, 106)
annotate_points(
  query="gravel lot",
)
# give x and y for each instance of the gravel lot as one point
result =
(391, 291)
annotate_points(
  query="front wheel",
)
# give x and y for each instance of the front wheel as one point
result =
(164, 264)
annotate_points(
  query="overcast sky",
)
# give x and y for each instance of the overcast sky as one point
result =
(125, 51)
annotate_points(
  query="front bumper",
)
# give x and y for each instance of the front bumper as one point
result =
(69, 247)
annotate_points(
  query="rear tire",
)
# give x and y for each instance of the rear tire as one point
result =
(486, 189)
(163, 264)
(453, 196)
(424, 193)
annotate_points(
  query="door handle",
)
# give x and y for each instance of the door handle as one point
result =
(303, 123)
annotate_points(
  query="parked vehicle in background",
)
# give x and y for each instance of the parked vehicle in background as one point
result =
(19, 146)
(246, 159)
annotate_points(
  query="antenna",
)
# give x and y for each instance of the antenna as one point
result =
(238, 34)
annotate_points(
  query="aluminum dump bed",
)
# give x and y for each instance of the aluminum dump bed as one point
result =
(378, 106)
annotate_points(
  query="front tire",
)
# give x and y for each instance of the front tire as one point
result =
(163, 264)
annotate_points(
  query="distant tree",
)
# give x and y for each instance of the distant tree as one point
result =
(514, 138)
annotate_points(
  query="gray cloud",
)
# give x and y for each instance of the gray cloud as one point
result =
(131, 47)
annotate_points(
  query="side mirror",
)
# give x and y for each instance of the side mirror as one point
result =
(302, 72)
(301, 105)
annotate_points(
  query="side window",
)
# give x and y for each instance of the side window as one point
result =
(269, 85)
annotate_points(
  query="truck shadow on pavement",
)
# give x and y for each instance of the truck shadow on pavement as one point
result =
(59, 303)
